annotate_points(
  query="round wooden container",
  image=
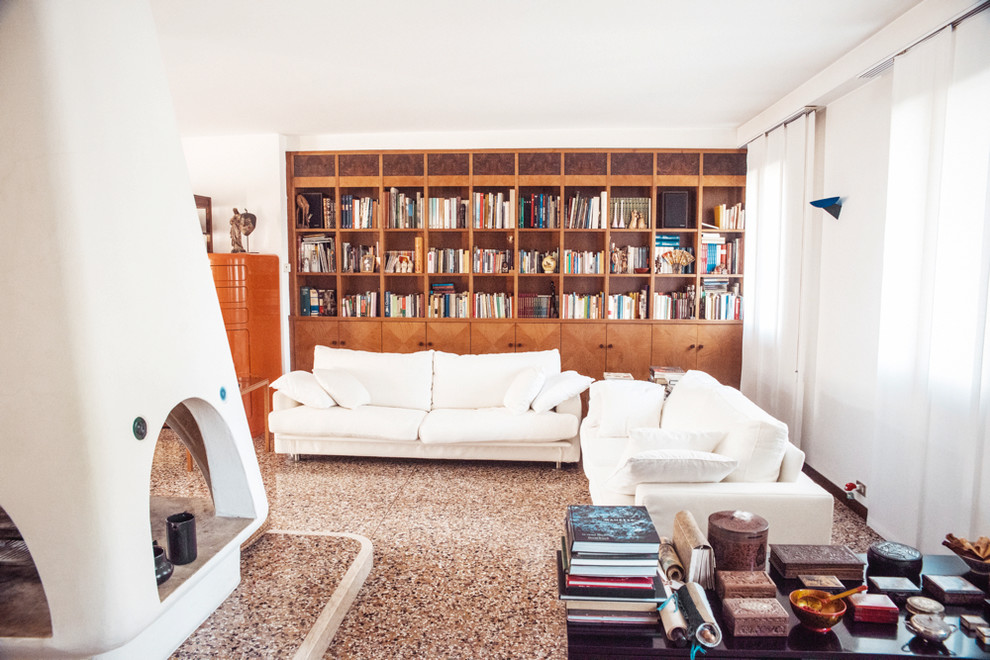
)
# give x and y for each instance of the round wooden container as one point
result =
(888, 558)
(739, 540)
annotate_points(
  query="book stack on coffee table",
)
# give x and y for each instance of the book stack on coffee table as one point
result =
(607, 566)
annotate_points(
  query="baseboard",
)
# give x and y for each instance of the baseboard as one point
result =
(856, 507)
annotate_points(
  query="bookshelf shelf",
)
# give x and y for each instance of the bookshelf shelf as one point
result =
(518, 206)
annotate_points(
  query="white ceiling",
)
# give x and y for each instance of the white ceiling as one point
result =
(312, 67)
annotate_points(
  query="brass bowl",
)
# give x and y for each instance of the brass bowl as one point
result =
(818, 620)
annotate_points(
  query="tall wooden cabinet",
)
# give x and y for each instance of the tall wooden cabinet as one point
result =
(510, 250)
(248, 291)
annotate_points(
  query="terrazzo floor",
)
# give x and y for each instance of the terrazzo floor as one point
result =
(463, 556)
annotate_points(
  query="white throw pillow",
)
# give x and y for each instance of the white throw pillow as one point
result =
(344, 387)
(669, 466)
(524, 388)
(628, 404)
(559, 388)
(649, 438)
(301, 386)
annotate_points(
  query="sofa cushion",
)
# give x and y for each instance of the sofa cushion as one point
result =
(622, 405)
(559, 388)
(599, 454)
(754, 438)
(343, 386)
(364, 422)
(481, 381)
(302, 387)
(668, 466)
(494, 425)
(650, 438)
(524, 388)
(396, 380)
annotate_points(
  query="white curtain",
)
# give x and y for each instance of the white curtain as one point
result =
(778, 189)
(933, 402)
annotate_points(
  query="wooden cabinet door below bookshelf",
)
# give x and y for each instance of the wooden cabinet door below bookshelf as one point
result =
(403, 336)
(628, 349)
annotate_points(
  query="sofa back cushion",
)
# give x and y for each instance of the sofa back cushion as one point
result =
(481, 381)
(396, 380)
(753, 437)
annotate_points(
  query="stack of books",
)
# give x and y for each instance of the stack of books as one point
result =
(666, 376)
(607, 566)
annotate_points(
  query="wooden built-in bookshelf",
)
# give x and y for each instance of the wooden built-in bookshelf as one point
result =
(445, 249)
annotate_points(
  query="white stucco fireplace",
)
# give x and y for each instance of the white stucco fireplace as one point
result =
(111, 328)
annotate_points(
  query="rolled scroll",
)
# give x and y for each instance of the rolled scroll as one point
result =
(670, 563)
(701, 624)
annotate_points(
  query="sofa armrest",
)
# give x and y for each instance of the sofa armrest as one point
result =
(282, 402)
(570, 407)
(791, 464)
(798, 511)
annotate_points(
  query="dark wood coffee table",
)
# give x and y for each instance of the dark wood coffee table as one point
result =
(848, 639)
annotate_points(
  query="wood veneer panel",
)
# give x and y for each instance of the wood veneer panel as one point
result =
(541, 336)
(494, 164)
(402, 164)
(306, 335)
(359, 165)
(453, 337)
(585, 163)
(361, 335)
(678, 163)
(403, 336)
(674, 345)
(628, 349)
(732, 164)
(539, 163)
(313, 165)
(720, 352)
(632, 163)
(492, 337)
(444, 164)
(582, 348)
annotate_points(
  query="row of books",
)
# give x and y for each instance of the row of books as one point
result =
(537, 306)
(493, 210)
(582, 305)
(730, 217)
(674, 305)
(720, 307)
(358, 212)
(720, 254)
(317, 302)
(539, 211)
(492, 306)
(448, 213)
(359, 304)
(627, 305)
(491, 260)
(403, 211)
(447, 303)
(400, 261)
(586, 212)
(583, 262)
(403, 305)
(448, 260)
(316, 254)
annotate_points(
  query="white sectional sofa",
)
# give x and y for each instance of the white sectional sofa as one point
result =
(705, 448)
(430, 404)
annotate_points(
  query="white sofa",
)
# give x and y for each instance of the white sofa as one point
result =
(432, 404)
(649, 467)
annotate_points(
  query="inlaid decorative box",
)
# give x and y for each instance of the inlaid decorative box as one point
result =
(755, 617)
(872, 608)
(952, 589)
(744, 584)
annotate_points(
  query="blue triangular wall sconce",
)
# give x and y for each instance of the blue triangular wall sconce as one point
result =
(832, 205)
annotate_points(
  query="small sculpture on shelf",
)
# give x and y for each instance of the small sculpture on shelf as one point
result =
(241, 223)
(637, 220)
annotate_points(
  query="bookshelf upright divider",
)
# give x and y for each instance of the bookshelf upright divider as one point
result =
(641, 237)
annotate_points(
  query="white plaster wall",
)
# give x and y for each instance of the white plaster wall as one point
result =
(246, 172)
(840, 390)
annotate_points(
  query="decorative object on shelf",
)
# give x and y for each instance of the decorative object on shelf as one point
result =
(180, 529)
(550, 263)
(163, 567)
(368, 263)
(636, 220)
(832, 205)
(739, 540)
(888, 558)
(241, 223)
(677, 259)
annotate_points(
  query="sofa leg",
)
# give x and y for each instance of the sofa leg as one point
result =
(294, 457)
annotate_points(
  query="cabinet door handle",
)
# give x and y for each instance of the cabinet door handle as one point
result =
(511, 344)
(420, 344)
(429, 343)
(700, 346)
(601, 345)
(691, 347)
(333, 343)
(610, 346)
(342, 342)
